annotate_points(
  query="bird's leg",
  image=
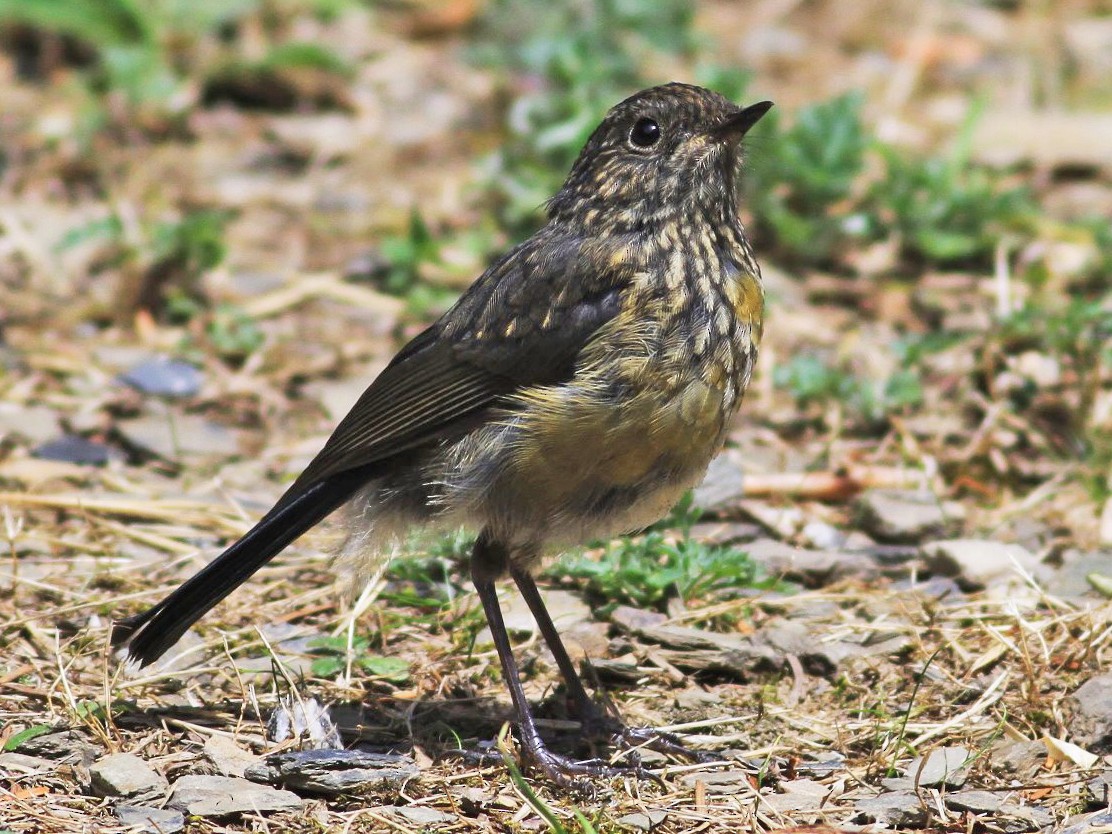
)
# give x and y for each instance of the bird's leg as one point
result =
(489, 560)
(595, 721)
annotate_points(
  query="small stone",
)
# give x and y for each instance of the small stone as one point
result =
(723, 486)
(643, 821)
(1072, 580)
(171, 434)
(335, 771)
(722, 781)
(227, 756)
(975, 802)
(34, 423)
(420, 815)
(797, 795)
(152, 820)
(222, 796)
(896, 515)
(823, 536)
(162, 377)
(126, 775)
(943, 766)
(62, 745)
(1089, 711)
(813, 568)
(1017, 759)
(71, 448)
(1015, 819)
(22, 763)
(898, 809)
(1098, 791)
(975, 563)
(1097, 821)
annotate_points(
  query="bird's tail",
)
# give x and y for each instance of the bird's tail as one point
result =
(151, 633)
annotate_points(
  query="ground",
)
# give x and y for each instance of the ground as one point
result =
(886, 607)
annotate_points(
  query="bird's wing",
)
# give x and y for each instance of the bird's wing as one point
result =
(523, 323)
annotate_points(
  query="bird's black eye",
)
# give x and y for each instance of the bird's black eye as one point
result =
(644, 133)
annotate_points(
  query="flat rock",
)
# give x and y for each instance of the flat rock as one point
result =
(126, 775)
(1098, 821)
(35, 423)
(227, 756)
(63, 745)
(1089, 711)
(898, 515)
(723, 486)
(333, 772)
(896, 809)
(1017, 759)
(944, 766)
(721, 781)
(1072, 579)
(1015, 819)
(143, 819)
(975, 802)
(22, 763)
(976, 563)
(172, 434)
(164, 377)
(1098, 791)
(223, 796)
(797, 795)
(643, 820)
(419, 815)
(813, 568)
(72, 448)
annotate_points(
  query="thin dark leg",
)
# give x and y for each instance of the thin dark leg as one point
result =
(490, 560)
(595, 721)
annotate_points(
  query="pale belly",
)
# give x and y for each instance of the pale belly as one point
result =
(571, 468)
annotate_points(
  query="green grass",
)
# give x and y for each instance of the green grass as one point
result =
(665, 560)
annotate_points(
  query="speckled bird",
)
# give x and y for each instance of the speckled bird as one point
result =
(574, 391)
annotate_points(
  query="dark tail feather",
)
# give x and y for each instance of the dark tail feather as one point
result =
(151, 633)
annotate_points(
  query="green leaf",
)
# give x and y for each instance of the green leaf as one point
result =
(17, 739)
(393, 669)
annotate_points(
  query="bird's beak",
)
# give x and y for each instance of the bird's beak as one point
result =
(737, 125)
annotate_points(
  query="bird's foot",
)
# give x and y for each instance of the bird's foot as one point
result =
(598, 725)
(646, 738)
(577, 775)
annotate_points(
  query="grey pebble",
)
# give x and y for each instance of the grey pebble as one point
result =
(419, 814)
(1089, 711)
(222, 796)
(943, 766)
(334, 771)
(62, 745)
(152, 820)
(899, 515)
(72, 448)
(164, 377)
(976, 802)
(643, 821)
(126, 775)
(977, 562)
(897, 809)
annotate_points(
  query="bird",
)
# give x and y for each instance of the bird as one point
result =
(575, 391)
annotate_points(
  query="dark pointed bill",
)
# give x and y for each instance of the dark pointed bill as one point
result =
(739, 123)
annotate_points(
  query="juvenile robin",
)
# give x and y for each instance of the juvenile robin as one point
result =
(573, 393)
